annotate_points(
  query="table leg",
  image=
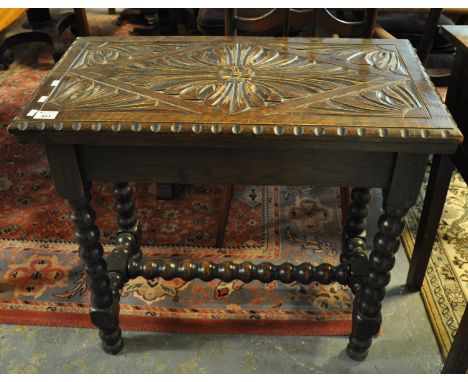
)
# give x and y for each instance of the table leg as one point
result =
(437, 187)
(404, 188)
(457, 359)
(81, 20)
(367, 305)
(354, 230)
(104, 310)
(71, 183)
(126, 219)
(125, 207)
(344, 197)
(224, 214)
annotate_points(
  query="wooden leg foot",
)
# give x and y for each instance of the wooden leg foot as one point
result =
(364, 328)
(104, 311)
(367, 304)
(112, 343)
(107, 320)
(357, 351)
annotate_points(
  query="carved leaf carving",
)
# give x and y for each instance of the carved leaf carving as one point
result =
(378, 57)
(107, 52)
(393, 100)
(85, 94)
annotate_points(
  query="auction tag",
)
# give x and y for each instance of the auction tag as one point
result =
(55, 82)
(42, 99)
(31, 112)
(45, 114)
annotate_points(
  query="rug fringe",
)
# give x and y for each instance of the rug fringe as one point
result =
(176, 325)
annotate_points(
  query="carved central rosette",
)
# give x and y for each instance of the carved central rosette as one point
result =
(236, 73)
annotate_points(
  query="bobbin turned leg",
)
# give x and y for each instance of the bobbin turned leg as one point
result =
(354, 231)
(367, 305)
(104, 310)
(398, 198)
(71, 184)
(126, 220)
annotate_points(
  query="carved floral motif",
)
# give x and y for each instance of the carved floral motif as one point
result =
(237, 77)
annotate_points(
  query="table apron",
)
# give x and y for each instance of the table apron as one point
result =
(236, 166)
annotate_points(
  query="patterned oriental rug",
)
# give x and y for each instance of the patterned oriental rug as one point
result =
(445, 287)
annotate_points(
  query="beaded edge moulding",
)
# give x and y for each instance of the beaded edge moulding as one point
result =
(237, 129)
(257, 86)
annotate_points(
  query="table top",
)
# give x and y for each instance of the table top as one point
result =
(342, 89)
(457, 34)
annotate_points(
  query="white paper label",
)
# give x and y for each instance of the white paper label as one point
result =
(31, 112)
(55, 82)
(42, 99)
(45, 114)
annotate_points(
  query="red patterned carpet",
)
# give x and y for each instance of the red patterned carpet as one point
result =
(41, 278)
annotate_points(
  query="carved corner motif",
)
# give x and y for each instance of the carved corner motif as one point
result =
(86, 94)
(381, 58)
(398, 99)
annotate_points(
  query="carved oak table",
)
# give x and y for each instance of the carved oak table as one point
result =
(331, 112)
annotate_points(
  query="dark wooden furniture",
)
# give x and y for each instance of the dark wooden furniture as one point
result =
(239, 110)
(40, 26)
(81, 25)
(421, 28)
(438, 184)
(457, 359)
(428, 37)
(285, 18)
